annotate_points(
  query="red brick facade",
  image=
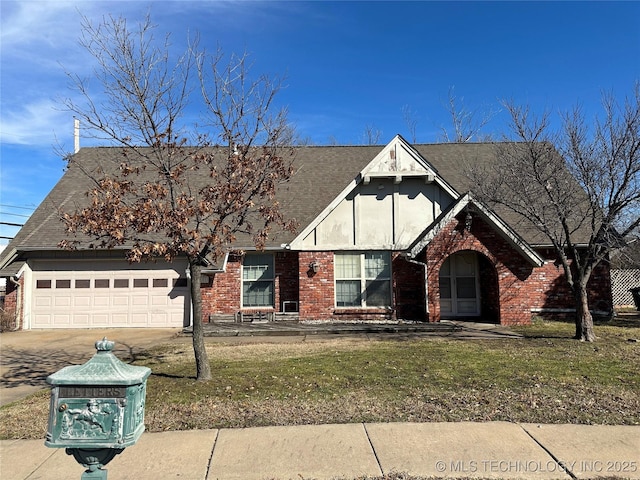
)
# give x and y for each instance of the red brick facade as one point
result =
(512, 289)
(11, 300)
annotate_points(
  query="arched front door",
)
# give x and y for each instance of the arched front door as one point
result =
(459, 286)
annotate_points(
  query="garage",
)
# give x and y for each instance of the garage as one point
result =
(107, 293)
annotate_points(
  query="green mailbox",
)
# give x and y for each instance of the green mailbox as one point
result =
(97, 409)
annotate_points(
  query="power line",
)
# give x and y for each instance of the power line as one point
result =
(12, 224)
(17, 206)
(14, 214)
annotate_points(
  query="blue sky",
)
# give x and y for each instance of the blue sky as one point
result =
(348, 65)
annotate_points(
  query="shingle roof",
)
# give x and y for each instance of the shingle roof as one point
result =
(320, 174)
(452, 160)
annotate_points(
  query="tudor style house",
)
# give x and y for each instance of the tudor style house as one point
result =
(385, 233)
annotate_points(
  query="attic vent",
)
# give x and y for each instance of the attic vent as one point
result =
(392, 154)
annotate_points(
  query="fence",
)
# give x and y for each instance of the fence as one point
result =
(621, 282)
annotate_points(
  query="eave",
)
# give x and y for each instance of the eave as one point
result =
(488, 216)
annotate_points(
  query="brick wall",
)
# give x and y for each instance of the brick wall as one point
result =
(10, 320)
(222, 294)
(511, 270)
(287, 278)
(316, 288)
(510, 286)
(408, 289)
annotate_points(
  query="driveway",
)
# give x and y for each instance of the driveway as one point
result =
(29, 357)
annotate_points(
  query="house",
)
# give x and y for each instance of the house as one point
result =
(385, 233)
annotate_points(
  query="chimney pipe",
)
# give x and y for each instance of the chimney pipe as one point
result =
(76, 135)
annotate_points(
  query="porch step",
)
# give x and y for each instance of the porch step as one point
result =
(254, 317)
(222, 318)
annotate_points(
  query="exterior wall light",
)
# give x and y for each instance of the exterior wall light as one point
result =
(468, 220)
(314, 267)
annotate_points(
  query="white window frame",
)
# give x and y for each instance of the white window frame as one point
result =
(363, 279)
(271, 279)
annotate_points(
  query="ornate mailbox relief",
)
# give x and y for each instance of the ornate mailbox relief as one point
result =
(97, 409)
(93, 419)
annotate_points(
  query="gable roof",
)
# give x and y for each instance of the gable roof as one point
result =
(322, 175)
(319, 175)
(503, 229)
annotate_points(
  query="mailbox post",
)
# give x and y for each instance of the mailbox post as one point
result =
(97, 409)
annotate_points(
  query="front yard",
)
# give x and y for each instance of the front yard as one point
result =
(546, 377)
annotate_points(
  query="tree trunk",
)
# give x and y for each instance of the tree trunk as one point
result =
(584, 320)
(203, 368)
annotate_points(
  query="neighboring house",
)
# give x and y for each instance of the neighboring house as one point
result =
(385, 233)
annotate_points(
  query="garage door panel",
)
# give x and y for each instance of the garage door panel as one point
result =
(176, 301)
(42, 321)
(83, 301)
(98, 320)
(159, 318)
(160, 300)
(81, 320)
(101, 301)
(61, 301)
(120, 319)
(43, 301)
(138, 301)
(120, 301)
(107, 297)
(62, 319)
(139, 319)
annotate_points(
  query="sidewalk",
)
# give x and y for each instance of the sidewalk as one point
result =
(452, 450)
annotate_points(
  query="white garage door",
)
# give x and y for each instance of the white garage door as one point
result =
(77, 295)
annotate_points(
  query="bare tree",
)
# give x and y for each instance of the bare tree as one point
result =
(177, 190)
(579, 186)
(371, 135)
(466, 124)
(410, 120)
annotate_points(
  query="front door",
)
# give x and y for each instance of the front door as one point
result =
(459, 292)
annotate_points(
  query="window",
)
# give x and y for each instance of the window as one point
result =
(101, 283)
(140, 282)
(160, 282)
(43, 283)
(121, 283)
(257, 280)
(363, 279)
(63, 283)
(83, 283)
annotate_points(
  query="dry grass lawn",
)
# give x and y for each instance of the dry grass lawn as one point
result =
(546, 377)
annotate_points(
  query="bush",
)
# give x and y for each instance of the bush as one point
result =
(7, 320)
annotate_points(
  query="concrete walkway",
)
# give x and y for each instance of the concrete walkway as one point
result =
(450, 450)
(443, 329)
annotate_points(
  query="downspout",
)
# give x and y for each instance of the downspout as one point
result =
(188, 275)
(426, 281)
(14, 279)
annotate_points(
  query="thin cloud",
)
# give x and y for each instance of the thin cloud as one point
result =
(34, 124)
